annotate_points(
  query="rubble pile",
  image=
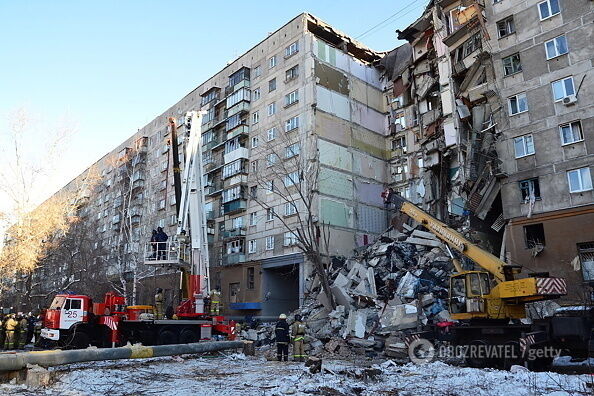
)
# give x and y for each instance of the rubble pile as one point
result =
(388, 289)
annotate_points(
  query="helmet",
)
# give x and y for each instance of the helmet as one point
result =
(282, 316)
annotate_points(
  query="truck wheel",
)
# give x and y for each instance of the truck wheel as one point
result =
(188, 336)
(79, 340)
(512, 355)
(168, 337)
(475, 354)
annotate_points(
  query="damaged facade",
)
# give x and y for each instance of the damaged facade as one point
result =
(482, 80)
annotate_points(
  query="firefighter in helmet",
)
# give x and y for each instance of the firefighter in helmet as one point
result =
(298, 334)
(10, 329)
(23, 330)
(215, 300)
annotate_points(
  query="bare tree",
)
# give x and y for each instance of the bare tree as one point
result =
(290, 174)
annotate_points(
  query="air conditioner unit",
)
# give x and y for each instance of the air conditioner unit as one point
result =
(569, 100)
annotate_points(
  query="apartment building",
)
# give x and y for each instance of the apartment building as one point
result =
(489, 125)
(542, 56)
(307, 100)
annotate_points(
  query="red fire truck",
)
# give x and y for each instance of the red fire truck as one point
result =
(73, 320)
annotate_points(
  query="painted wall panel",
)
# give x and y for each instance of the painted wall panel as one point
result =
(341, 242)
(333, 128)
(372, 143)
(335, 213)
(369, 118)
(335, 183)
(335, 155)
(367, 95)
(371, 219)
(333, 103)
(369, 167)
(369, 193)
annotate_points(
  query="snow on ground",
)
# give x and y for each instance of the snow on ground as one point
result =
(238, 375)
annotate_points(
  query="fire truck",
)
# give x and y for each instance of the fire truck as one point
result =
(76, 321)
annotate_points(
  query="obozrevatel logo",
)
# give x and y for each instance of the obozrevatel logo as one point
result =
(421, 351)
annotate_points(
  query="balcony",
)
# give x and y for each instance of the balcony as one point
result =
(234, 233)
(234, 206)
(239, 130)
(212, 164)
(214, 188)
(210, 145)
(234, 258)
(137, 184)
(241, 152)
(241, 107)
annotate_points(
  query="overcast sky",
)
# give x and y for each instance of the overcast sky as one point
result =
(110, 67)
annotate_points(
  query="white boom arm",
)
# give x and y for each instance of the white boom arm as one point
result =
(191, 210)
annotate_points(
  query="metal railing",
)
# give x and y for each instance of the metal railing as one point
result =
(166, 252)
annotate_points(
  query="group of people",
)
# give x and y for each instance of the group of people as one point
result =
(18, 330)
(158, 244)
(286, 334)
(212, 303)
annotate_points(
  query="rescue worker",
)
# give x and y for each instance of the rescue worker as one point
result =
(298, 334)
(182, 241)
(215, 299)
(37, 330)
(206, 304)
(30, 327)
(162, 238)
(159, 303)
(154, 244)
(281, 331)
(10, 329)
(23, 329)
(2, 332)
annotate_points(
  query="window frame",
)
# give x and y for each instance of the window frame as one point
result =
(255, 117)
(291, 98)
(292, 49)
(270, 242)
(517, 98)
(271, 134)
(269, 214)
(562, 81)
(272, 62)
(506, 24)
(549, 9)
(514, 70)
(271, 109)
(535, 188)
(570, 125)
(525, 146)
(272, 84)
(557, 53)
(254, 141)
(579, 171)
(252, 246)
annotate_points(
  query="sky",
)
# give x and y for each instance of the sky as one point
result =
(109, 67)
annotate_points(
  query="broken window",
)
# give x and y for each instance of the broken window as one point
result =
(571, 133)
(400, 121)
(512, 65)
(468, 47)
(524, 145)
(233, 292)
(506, 27)
(534, 235)
(586, 255)
(517, 104)
(399, 143)
(529, 188)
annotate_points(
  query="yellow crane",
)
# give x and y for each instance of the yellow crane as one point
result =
(495, 292)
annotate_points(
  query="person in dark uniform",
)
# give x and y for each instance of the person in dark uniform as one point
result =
(281, 332)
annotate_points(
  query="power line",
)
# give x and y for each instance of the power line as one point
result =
(397, 13)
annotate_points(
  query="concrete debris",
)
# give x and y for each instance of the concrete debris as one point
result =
(386, 291)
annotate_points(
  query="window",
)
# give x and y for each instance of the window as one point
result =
(271, 159)
(256, 94)
(161, 204)
(232, 193)
(270, 134)
(468, 47)
(232, 168)
(529, 188)
(571, 133)
(269, 186)
(162, 223)
(269, 242)
(173, 220)
(163, 184)
(255, 141)
(534, 235)
(292, 123)
(292, 150)
(237, 223)
(238, 96)
(252, 246)
(579, 180)
(290, 208)
(512, 65)
(253, 218)
(254, 192)
(292, 73)
(271, 109)
(517, 104)
(400, 121)
(257, 71)
(548, 8)
(556, 47)
(292, 49)
(234, 121)
(272, 85)
(506, 27)
(255, 117)
(586, 254)
(399, 143)
(292, 97)
(272, 62)
(250, 276)
(290, 239)
(235, 247)
(563, 88)
(291, 179)
(254, 165)
(269, 214)
(524, 145)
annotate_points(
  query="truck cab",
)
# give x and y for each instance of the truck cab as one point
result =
(65, 311)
